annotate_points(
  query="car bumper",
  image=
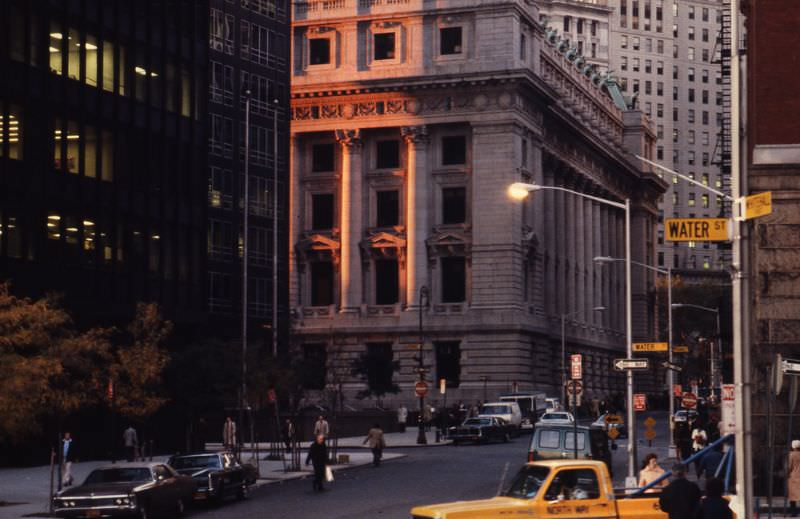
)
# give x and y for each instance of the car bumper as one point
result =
(96, 512)
(466, 437)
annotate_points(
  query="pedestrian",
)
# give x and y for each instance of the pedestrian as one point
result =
(131, 441)
(321, 427)
(650, 472)
(683, 440)
(426, 417)
(288, 434)
(67, 458)
(376, 443)
(318, 456)
(229, 434)
(709, 463)
(699, 438)
(681, 498)
(793, 473)
(402, 417)
(474, 410)
(714, 506)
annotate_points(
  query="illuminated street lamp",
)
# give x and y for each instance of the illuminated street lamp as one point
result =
(520, 191)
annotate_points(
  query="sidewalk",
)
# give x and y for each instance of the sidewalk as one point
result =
(24, 491)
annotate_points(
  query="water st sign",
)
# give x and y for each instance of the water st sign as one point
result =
(650, 346)
(698, 229)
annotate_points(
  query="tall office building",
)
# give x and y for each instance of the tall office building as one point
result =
(667, 52)
(102, 154)
(248, 51)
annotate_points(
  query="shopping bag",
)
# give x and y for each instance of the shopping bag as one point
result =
(328, 474)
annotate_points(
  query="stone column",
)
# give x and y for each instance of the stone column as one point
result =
(597, 276)
(548, 197)
(417, 221)
(296, 220)
(350, 276)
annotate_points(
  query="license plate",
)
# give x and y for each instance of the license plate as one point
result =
(92, 513)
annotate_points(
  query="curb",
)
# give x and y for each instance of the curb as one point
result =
(262, 482)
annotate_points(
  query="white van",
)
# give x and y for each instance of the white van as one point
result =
(508, 411)
(531, 405)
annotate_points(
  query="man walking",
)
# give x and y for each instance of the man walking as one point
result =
(318, 456)
(288, 434)
(131, 441)
(402, 417)
(229, 434)
(321, 427)
(67, 457)
(681, 498)
(376, 443)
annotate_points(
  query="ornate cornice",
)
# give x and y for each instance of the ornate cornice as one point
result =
(349, 139)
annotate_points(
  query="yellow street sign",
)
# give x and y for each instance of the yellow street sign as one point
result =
(650, 346)
(650, 422)
(680, 349)
(649, 433)
(613, 433)
(758, 205)
(613, 419)
(697, 229)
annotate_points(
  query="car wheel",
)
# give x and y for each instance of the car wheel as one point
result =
(242, 493)
(220, 494)
(180, 507)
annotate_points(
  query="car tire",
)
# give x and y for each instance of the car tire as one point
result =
(180, 507)
(241, 494)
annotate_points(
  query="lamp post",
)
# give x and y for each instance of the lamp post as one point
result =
(245, 222)
(424, 295)
(670, 374)
(564, 350)
(519, 191)
(712, 368)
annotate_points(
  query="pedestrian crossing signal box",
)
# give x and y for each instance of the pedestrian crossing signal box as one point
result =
(697, 229)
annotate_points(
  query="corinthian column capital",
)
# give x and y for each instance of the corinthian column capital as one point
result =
(415, 135)
(349, 139)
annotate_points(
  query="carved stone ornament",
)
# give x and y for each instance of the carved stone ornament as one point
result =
(350, 139)
(448, 243)
(317, 247)
(320, 30)
(480, 102)
(383, 245)
(415, 134)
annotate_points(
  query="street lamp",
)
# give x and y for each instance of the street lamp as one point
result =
(519, 191)
(670, 374)
(564, 350)
(711, 349)
(424, 294)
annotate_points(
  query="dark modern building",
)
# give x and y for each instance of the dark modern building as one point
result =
(103, 154)
(248, 51)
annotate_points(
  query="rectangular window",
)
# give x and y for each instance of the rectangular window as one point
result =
(319, 51)
(623, 42)
(691, 33)
(691, 95)
(567, 25)
(660, 46)
(705, 75)
(635, 43)
(635, 67)
(660, 68)
(705, 14)
(690, 53)
(388, 208)
(314, 366)
(384, 46)
(454, 150)
(690, 116)
(379, 367)
(11, 131)
(579, 26)
(323, 157)
(321, 283)
(704, 35)
(648, 66)
(624, 63)
(674, 93)
(691, 201)
(454, 278)
(448, 362)
(690, 73)
(705, 198)
(387, 154)
(659, 88)
(322, 211)
(387, 282)
(454, 205)
(523, 47)
(450, 40)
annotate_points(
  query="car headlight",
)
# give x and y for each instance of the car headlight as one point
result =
(70, 503)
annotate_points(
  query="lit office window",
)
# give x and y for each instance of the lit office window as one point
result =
(11, 132)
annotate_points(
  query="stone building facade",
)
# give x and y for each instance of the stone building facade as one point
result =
(410, 122)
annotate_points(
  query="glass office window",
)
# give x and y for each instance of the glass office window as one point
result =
(73, 55)
(107, 157)
(90, 152)
(108, 66)
(55, 49)
(91, 50)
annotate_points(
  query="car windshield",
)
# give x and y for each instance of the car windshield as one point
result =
(496, 409)
(477, 421)
(527, 482)
(554, 416)
(195, 462)
(119, 475)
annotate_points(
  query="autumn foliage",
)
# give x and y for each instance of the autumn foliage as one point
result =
(48, 368)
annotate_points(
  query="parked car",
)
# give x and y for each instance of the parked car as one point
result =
(127, 489)
(600, 423)
(684, 414)
(556, 418)
(509, 412)
(217, 475)
(481, 429)
(559, 441)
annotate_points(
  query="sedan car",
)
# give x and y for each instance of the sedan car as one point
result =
(601, 423)
(480, 430)
(556, 418)
(217, 475)
(684, 414)
(127, 489)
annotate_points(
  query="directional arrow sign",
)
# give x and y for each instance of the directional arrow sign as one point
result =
(673, 367)
(791, 367)
(636, 364)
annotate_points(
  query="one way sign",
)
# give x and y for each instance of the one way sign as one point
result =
(635, 364)
(673, 367)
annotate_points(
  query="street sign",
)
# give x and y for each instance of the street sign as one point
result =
(673, 367)
(613, 433)
(578, 387)
(728, 409)
(635, 364)
(412, 346)
(649, 434)
(677, 390)
(577, 368)
(613, 419)
(442, 385)
(271, 397)
(650, 422)
(650, 346)
(689, 400)
(421, 388)
(758, 205)
(640, 402)
(790, 367)
(698, 229)
(680, 349)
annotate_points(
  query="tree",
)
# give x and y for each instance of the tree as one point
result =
(377, 367)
